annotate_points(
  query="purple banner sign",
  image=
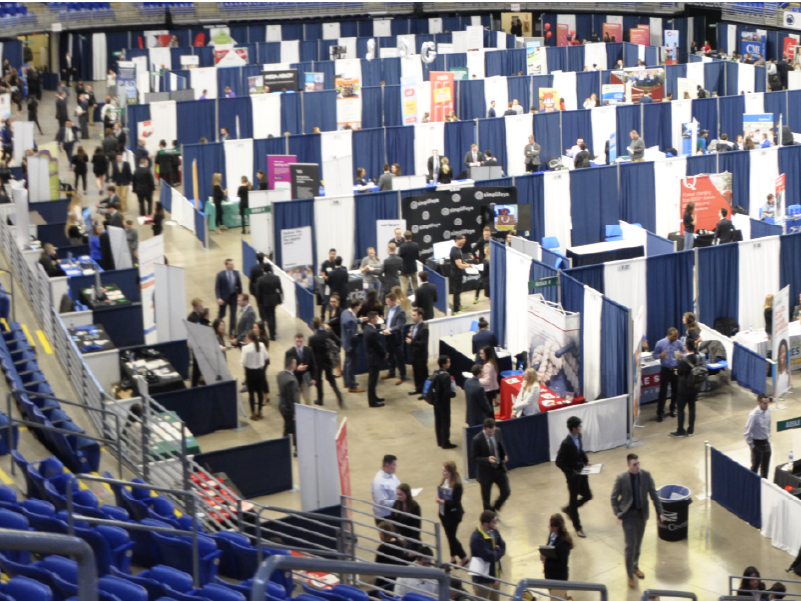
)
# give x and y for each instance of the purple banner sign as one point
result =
(278, 169)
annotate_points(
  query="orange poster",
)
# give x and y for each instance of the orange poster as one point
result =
(443, 93)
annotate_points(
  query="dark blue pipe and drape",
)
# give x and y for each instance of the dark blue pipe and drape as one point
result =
(263, 147)
(368, 209)
(306, 148)
(498, 290)
(672, 272)
(210, 160)
(731, 116)
(748, 369)
(531, 191)
(789, 273)
(372, 100)
(520, 88)
(717, 286)
(548, 133)
(573, 301)
(400, 148)
(539, 271)
(594, 204)
(392, 106)
(739, 165)
(657, 125)
(614, 349)
(638, 194)
(790, 165)
(492, 137)
(575, 125)
(736, 488)
(459, 135)
(628, 119)
(289, 215)
(705, 111)
(697, 165)
(368, 151)
(471, 99)
(319, 111)
(235, 112)
(204, 409)
(291, 114)
(590, 275)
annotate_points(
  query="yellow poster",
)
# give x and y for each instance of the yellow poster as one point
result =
(549, 100)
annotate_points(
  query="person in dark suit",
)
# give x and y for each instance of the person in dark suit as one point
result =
(556, 568)
(489, 160)
(226, 288)
(393, 265)
(141, 153)
(247, 317)
(349, 325)
(532, 151)
(425, 296)
(630, 505)
(417, 339)
(288, 397)
(375, 357)
(572, 459)
(442, 393)
(385, 180)
(510, 110)
(409, 253)
(724, 230)
(395, 318)
(489, 453)
(113, 215)
(473, 158)
(582, 158)
(256, 271)
(491, 114)
(62, 115)
(306, 366)
(122, 137)
(49, 261)
(196, 316)
(318, 342)
(67, 137)
(484, 336)
(338, 280)
(450, 509)
(269, 294)
(106, 255)
(476, 401)
(434, 165)
(143, 186)
(122, 177)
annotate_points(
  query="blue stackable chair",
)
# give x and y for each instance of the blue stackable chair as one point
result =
(122, 589)
(613, 232)
(25, 589)
(8, 497)
(176, 551)
(216, 592)
(155, 590)
(15, 521)
(171, 578)
(350, 592)
(273, 592)
(146, 551)
(551, 243)
(229, 566)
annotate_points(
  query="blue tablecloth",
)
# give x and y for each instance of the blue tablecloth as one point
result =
(79, 266)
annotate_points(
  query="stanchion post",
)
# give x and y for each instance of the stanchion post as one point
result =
(706, 468)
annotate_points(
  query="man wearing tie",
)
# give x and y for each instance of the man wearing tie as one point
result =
(572, 459)
(375, 357)
(489, 453)
(69, 70)
(61, 109)
(349, 324)
(425, 297)
(434, 164)
(67, 137)
(396, 319)
(418, 341)
(306, 367)
(226, 289)
(532, 151)
(121, 176)
(474, 157)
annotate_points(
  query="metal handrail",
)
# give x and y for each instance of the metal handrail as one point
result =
(669, 594)
(288, 562)
(557, 584)
(135, 525)
(57, 544)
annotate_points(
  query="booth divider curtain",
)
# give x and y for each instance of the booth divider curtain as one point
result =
(731, 116)
(229, 76)
(587, 83)
(760, 229)
(210, 160)
(289, 215)
(794, 109)
(531, 191)
(371, 73)
(717, 283)
(739, 165)
(306, 148)
(577, 124)
(593, 204)
(705, 110)
(638, 195)
(614, 349)
(370, 208)
(547, 132)
(233, 111)
(319, 110)
(326, 67)
(516, 63)
(392, 106)
(748, 369)
(492, 137)
(628, 118)
(696, 165)
(400, 148)
(673, 272)
(789, 274)
(520, 88)
(776, 103)
(591, 275)
(556, 58)
(498, 290)
(572, 294)
(736, 488)
(261, 148)
(494, 63)
(291, 115)
(672, 74)
(790, 165)
(137, 113)
(459, 135)
(471, 99)
(368, 151)
(714, 78)
(657, 125)
(372, 100)
(575, 60)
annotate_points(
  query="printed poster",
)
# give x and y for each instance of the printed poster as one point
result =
(256, 84)
(753, 43)
(562, 33)
(671, 46)
(442, 94)
(348, 85)
(342, 458)
(549, 100)
(779, 210)
(710, 193)
(640, 36)
(460, 73)
(613, 93)
(5, 106)
(157, 38)
(314, 82)
(789, 45)
(686, 88)
(296, 249)
(230, 56)
(613, 31)
(151, 251)
(756, 124)
(190, 61)
(780, 342)
(408, 90)
(533, 58)
(554, 345)
(278, 175)
(638, 82)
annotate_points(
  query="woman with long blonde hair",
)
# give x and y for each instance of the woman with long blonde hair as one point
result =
(403, 300)
(528, 401)
(218, 195)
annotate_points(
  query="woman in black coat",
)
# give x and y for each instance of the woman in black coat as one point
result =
(99, 168)
(218, 196)
(407, 515)
(557, 568)
(449, 499)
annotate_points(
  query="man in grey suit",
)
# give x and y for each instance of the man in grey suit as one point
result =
(478, 406)
(247, 317)
(288, 397)
(532, 151)
(630, 504)
(473, 158)
(350, 343)
(393, 265)
(395, 320)
(385, 181)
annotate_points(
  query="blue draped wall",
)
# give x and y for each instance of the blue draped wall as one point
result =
(573, 300)
(705, 110)
(736, 488)
(673, 272)
(519, 87)
(717, 286)
(672, 74)
(638, 194)
(748, 369)
(288, 215)
(575, 125)
(319, 110)
(369, 208)
(371, 107)
(697, 165)
(575, 59)
(392, 106)
(400, 148)
(229, 76)
(306, 149)
(593, 202)
(714, 78)
(494, 63)
(531, 190)
(794, 109)
(368, 151)
(591, 275)
(459, 135)
(263, 147)
(739, 165)
(731, 116)
(539, 271)
(291, 117)
(471, 99)
(236, 109)
(790, 165)
(776, 103)
(548, 134)
(210, 160)
(789, 273)
(628, 118)
(587, 83)
(498, 290)
(657, 125)
(614, 349)
(492, 137)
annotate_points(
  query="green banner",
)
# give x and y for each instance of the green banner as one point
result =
(788, 424)
(548, 282)
(258, 210)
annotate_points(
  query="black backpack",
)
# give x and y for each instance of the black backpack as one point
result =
(431, 388)
(698, 374)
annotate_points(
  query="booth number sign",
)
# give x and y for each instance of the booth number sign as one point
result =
(788, 424)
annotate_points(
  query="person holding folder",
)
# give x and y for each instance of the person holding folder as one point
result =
(487, 547)
(556, 553)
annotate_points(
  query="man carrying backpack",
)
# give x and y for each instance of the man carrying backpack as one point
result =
(440, 391)
(692, 374)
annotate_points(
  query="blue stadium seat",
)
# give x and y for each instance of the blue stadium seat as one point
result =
(176, 551)
(122, 589)
(176, 580)
(215, 592)
(154, 589)
(22, 588)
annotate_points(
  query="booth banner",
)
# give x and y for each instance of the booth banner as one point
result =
(636, 365)
(342, 458)
(549, 100)
(5, 106)
(686, 88)
(671, 47)
(305, 180)
(296, 249)
(554, 345)
(562, 33)
(119, 247)
(781, 184)
(231, 57)
(710, 193)
(256, 84)
(753, 42)
(278, 176)
(613, 93)
(526, 20)
(349, 102)
(385, 230)
(639, 82)
(314, 82)
(614, 31)
(126, 80)
(283, 80)
(220, 36)
(151, 251)
(459, 73)
(533, 58)
(689, 138)
(439, 216)
(408, 90)
(640, 35)
(780, 341)
(790, 43)
(442, 94)
(757, 124)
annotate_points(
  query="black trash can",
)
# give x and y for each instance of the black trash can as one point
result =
(676, 501)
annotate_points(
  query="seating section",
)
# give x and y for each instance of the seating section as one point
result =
(176, 8)
(12, 9)
(18, 361)
(81, 7)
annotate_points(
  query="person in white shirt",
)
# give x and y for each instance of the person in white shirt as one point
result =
(419, 586)
(385, 486)
(572, 152)
(254, 359)
(528, 401)
(757, 435)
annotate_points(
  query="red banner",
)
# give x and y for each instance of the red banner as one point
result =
(788, 51)
(779, 207)
(562, 31)
(710, 193)
(640, 36)
(342, 458)
(442, 94)
(614, 31)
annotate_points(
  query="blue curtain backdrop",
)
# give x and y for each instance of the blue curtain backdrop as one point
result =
(575, 58)
(371, 107)
(233, 111)
(575, 125)
(369, 208)
(573, 300)
(289, 215)
(516, 62)
(591, 275)
(736, 488)
(368, 151)
(717, 288)
(614, 349)
(638, 194)
(790, 165)
(531, 191)
(776, 103)
(195, 120)
(731, 116)
(319, 110)
(593, 199)
(229, 76)
(494, 63)
(557, 58)
(614, 52)
(789, 273)
(520, 88)
(630, 52)
(291, 117)
(391, 70)
(672, 74)
(459, 135)
(628, 118)
(400, 148)
(137, 113)
(705, 110)
(587, 83)
(548, 133)
(669, 281)
(748, 369)
(306, 149)
(794, 109)
(759, 79)
(263, 147)
(498, 290)
(210, 160)
(657, 125)
(760, 229)
(732, 79)
(392, 106)
(739, 165)
(471, 99)
(371, 73)
(702, 164)
(492, 137)
(714, 79)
